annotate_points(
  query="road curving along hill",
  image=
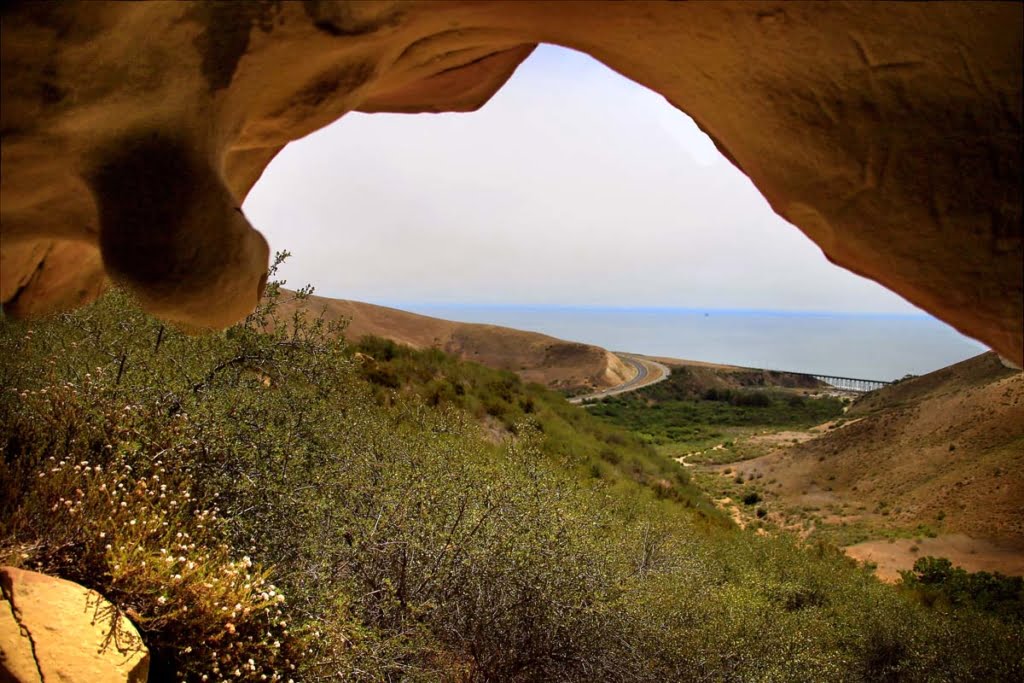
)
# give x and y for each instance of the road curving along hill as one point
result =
(647, 371)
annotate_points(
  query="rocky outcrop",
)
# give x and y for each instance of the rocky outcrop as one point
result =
(55, 630)
(889, 133)
(57, 276)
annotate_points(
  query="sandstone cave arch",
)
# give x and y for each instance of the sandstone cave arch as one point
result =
(889, 133)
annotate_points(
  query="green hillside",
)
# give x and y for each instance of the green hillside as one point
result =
(504, 405)
(273, 506)
(696, 409)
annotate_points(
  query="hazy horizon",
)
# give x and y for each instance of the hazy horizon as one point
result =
(409, 305)
(883, 346)
(572, 187)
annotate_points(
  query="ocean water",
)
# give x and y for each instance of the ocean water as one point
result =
(882, 347)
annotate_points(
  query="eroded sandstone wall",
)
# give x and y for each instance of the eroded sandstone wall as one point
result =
(889, 133)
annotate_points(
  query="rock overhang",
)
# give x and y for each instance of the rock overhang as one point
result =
(889, 133)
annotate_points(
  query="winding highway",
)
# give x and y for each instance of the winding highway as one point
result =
(648, 372)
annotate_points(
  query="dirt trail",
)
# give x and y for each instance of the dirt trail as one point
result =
(934, 463)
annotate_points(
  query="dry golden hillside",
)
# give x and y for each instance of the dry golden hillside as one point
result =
(938, 458)
(533, 356)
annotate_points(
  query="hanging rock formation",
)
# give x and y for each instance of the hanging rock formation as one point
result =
(55, 630)
(889, 133)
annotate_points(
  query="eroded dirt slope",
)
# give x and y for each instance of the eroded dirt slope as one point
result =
(943, 452)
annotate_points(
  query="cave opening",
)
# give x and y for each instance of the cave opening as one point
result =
(573, 196)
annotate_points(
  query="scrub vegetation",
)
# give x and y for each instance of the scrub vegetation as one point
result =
(934, 580)
(570, 438)
(267, 503)
(681, 416)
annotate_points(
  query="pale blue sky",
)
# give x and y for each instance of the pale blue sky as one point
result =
(572, 186)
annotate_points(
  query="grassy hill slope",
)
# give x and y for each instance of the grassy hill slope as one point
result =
(503, 404)
(702, 407)
(941, 454)
(533, 356)
(263, 509)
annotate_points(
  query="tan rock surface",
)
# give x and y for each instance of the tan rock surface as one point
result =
(59, 275)
(889, 133)
(55, 630)
(17, 664)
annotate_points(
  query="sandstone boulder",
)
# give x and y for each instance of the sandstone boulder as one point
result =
(52, 630)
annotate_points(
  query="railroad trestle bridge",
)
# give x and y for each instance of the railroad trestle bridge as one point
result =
(847, 383)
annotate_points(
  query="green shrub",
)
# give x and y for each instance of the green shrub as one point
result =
(934, 580)
(100, 490)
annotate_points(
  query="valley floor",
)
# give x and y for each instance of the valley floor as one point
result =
(932, 466)
(889, 544)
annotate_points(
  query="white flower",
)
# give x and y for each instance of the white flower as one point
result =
(162, 600)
